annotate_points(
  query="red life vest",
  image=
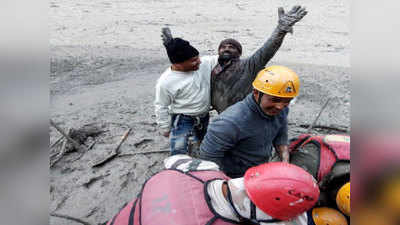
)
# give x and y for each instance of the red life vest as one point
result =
(172, 197)
(333, 148)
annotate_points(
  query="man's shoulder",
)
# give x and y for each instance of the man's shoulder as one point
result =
(209, 60)
(238, 112)
(167, 77)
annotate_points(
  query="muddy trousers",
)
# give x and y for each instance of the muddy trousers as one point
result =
(187, 132)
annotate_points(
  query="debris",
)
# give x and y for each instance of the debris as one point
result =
(70, 218)
(62, 152)
(88, 130)
(88, 183)
(92, 211)
(62, 202)
(115, 151)
(57, 141)
(91, 145)
(74, 143)
(144, 152)
(326, 127)
(316, 118)
(142, 142)
(123, 138)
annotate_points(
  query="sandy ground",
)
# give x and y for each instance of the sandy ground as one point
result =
(107, 55)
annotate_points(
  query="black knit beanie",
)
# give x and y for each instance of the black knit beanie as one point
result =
(232, 42)
(179, 50)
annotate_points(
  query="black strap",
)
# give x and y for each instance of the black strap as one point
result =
(132, 213)
(212, 220)
(241, 218)
(253, 211)
(113, 219)
(260, 94)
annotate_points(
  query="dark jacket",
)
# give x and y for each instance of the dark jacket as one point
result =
(243, 136)
(232, 82)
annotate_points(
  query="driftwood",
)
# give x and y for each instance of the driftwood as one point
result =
(80, 155)
(144, 153)
(326, 127)
(62, 152)
(70, 218)
(73, 142)
(114, 153)
(142, 142)
(56, 142)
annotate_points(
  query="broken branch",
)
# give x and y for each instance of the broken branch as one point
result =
(115, 151)
(143, 152)
(74, 143)
(319, 114)
(56, 142)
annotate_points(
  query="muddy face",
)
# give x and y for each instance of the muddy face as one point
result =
(227, 52)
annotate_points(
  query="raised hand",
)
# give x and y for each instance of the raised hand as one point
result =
(287, 20)
(166, 35)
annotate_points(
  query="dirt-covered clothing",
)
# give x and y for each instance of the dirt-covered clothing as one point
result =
(231, 83)
(183, 92)
(243, 136)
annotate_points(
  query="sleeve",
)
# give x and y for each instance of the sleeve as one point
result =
(222, 135)
(261, 57)
(162, 102)
(282, 137)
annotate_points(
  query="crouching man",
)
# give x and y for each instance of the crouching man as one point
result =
(192, 191)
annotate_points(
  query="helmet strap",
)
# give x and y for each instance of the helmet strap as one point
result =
(240, 217)
(260, 95)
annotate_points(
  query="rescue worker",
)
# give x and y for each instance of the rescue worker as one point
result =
(343, 199)
(182, 99)
(231, 78)
(192, 192)
(327, 216)
(245, 134)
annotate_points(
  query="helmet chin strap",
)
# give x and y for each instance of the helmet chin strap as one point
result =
(260, 95)
(250, 220)
(252, 214)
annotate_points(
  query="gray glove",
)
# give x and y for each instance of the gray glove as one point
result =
(166, 35)
(287, 20)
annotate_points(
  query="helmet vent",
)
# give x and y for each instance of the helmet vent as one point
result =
(277, 198)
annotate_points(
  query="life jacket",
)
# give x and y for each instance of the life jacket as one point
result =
(173, 197)
(333, 150)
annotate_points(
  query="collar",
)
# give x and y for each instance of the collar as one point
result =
(251, 102)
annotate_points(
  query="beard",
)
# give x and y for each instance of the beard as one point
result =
(225, 57)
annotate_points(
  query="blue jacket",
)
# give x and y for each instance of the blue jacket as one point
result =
(243, 136)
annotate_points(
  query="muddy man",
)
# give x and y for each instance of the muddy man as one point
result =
(232, 77)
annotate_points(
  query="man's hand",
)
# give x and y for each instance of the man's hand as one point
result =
(283, 152)
(166, 35)
(287, 20)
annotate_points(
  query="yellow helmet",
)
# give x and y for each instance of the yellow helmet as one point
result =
(328, 216)
(343, 199)
(277, 81)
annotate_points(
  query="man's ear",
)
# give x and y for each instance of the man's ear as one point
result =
(177, 66)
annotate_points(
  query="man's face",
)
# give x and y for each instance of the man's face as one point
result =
(271, 105)
(228, 51)
(191, 64)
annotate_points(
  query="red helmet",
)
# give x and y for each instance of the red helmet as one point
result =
(281, 190)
